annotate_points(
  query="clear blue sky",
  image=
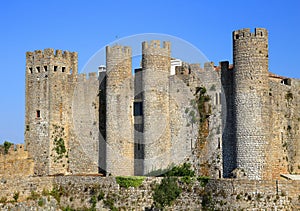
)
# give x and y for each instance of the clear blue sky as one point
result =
(86, 26)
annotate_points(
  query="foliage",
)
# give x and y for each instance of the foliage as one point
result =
(130, 181)
(57, 192)
(203, 180)
(201, 99)
(100, 196)
(59, 146)
(16, 196)
(33, 196)
(59, 143)
(109, 202)
(166, 192)
(7, 145)
(187, 179)
(181, 171)
(68, 209)
(41, 202)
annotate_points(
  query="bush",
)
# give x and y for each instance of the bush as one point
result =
(130, 181)
(7, 145)
(203, 180)
(41, 202)
(181, 171)
(166, 192)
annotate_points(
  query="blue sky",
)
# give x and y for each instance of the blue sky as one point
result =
(87, 26)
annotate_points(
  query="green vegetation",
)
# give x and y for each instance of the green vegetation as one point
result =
(33, 196)
(201, 99)
(7, 145)
(130, 181)
(181, 171)
(166, 192)
(109, 202)
(203, 180)
(59, 143)
(16, 196)
(41, 202)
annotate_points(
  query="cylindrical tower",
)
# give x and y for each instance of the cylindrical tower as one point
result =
(119, 120)
(156, 64)
(250, 57)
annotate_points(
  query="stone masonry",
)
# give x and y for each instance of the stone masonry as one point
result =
(123, 123)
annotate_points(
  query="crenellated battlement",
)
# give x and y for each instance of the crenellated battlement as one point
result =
(118, 51)
(156, 47)
(246, 33)
(40, 61)
(14, 151)
(49, 53)
(156, 44)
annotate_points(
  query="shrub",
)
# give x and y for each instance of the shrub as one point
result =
(41, 202)
(7, 145)
(181, 171)
(203, 180)
(130, 181)
(166, 192)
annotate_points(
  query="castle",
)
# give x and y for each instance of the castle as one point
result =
(120, 123)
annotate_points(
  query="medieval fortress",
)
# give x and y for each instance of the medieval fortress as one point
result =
(117, 122)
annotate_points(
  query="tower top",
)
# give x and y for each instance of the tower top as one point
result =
(246, 33)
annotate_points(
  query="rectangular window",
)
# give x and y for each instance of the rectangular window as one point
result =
(138, 108)
(63, 69)
(38, 113)
(55, 68)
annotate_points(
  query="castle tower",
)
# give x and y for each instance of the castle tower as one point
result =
(49, 83)
(119, 117)
(156, 64)
(251, 86)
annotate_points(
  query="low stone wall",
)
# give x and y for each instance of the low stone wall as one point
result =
(80, 192)
(16, 162)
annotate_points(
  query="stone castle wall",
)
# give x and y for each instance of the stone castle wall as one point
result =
(16, 162)
(77, 191)
(84, 144)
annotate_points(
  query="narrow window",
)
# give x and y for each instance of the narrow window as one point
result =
(63, 69)
(45, 68)
(55, 68)
(139, 144)
(138, 108)
(71, 71)
(220, 98)
(38, 69)
(217, 99)
(219, 143)
(38, 113)
(30, 70)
